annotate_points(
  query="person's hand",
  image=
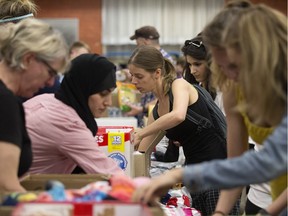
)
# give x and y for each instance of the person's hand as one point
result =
(137, 137)
(159, 186)
(135, 110)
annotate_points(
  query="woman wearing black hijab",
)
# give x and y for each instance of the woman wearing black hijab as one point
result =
(62, 127)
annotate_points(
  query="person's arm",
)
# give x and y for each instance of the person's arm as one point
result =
(159, 186)
(135, 110)
(180, 90)
(250, 168)
(278, 205)
(146, 141)
(237, 143)
(9, 162)
(80, 146)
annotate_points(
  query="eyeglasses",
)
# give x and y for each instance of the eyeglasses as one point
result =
(52, 72)
(194, 43)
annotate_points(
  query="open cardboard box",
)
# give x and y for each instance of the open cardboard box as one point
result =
(38, 182)
(78, 209)
(107, 208)
(71, 181)
(142, 160)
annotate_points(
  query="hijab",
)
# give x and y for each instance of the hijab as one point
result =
(89, 74)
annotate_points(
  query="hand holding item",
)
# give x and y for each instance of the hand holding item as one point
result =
(159, 186)
(137, 137)
(133, 109)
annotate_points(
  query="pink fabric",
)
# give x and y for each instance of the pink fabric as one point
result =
(60, 139)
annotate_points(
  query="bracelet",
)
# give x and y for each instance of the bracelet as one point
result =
(219, 212)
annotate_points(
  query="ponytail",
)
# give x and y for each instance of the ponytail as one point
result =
(169, 75)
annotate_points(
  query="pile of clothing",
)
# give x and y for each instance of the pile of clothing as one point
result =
(119, 187)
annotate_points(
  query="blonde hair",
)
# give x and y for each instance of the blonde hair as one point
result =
(79, 44)
(16, 8)
(212, 36)
(260, 35)
(150, 59)
(32, 36)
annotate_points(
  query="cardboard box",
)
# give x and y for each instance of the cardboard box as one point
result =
(80, 209)
(8, 210)
(71, 181)
(74, 181)
(142, 160)
(117, 142)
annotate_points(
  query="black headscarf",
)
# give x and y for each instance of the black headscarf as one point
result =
(89, 74)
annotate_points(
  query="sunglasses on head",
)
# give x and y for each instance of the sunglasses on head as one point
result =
(194, 43)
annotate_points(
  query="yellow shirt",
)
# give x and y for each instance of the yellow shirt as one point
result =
(259, 134)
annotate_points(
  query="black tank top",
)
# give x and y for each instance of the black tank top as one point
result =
(198, 146)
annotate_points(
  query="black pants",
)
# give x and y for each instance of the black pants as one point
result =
(206, 201)
(250, 208)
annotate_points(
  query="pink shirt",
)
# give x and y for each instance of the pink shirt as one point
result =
(61, 140)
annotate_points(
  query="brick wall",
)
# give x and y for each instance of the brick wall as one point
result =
(87, 11)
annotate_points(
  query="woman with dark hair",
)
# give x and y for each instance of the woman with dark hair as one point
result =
(62, 127)
(198, 71)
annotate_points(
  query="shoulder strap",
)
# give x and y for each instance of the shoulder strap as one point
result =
(194, 117)
(154, 111)
(219, 121)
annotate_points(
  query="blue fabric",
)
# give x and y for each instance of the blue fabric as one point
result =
(250, 168)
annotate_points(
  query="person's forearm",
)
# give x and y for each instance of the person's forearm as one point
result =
(227, 200)
(146, 143)
(163, 123)
(10, 185)
(278, 205)
(249, 168)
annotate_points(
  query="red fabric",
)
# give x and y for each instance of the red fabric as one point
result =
(172, 201)
(186, 200)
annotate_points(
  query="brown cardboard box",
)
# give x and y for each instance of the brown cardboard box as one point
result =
(70, 181)
(38, 182)
(106, 208)
(142, 160)
(6, 210)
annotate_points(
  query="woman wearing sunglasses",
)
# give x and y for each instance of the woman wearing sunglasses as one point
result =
(151, 72)
(62, 126)
(26, 49)
(197, 69)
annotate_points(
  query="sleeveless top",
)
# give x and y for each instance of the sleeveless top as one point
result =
(198, 145)
(259, 134)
